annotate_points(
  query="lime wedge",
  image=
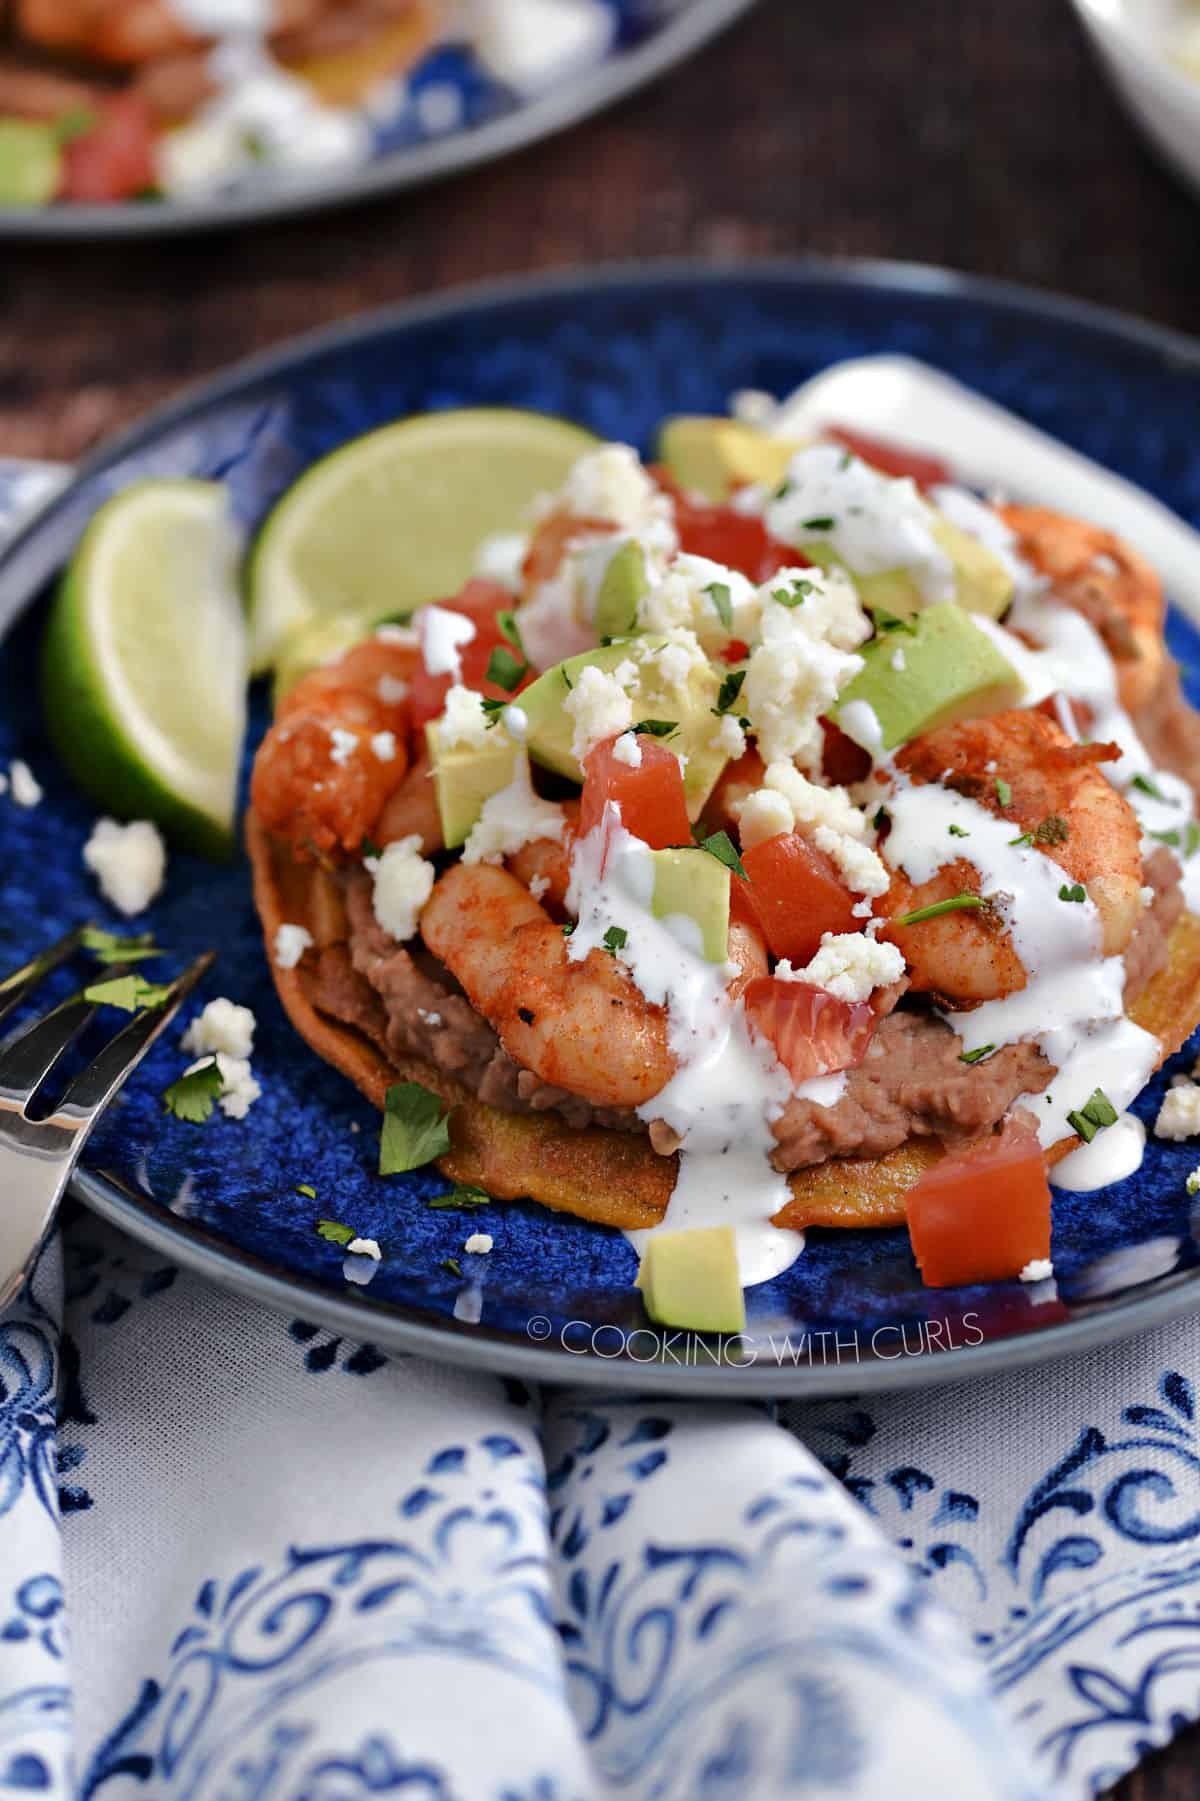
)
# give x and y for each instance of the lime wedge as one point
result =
(394, 519)
(144, 662)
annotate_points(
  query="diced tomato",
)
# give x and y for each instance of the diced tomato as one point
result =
(797, 895)
(115, 159)
(890, 459)
(813, 1032)
(1055, 706)
(982, 1214)
(549, 544)
(843, 762)
(650, 797)
(739, 540)
(736, 651)
(481, 602)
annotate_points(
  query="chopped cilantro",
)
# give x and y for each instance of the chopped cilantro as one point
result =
(306, 1189)
(1093, 1116)
(76, 123)
(191, 1098)
(452, 1266)
(567, 682)
(886, 621)
(615, 939)
(415, 1128)
(505, 670)
(569, 928)
(506, 623)
(976, 1056)
(1144, 785)
(881, 817)
(1169, 837)
(937, 908)
(846, 460)
(783, 490)
(493, 710)
(462, 1198)
(731, 687)
(1025, 838)
(795, 595)
(335, 1232)
(368, 848)
(1072, 891)
(722, 599)
(1191, 839)
(656, 728)
(106, 947)
(721, 846)
(1003, 791)
(127, 992)
(1053, 830)
(958, 831)
(818, 525)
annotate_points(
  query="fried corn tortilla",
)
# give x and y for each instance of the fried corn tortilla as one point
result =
(615, 1178)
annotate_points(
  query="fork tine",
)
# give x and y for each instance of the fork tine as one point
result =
(95, 1087)
(29, 1058)
(14, 988)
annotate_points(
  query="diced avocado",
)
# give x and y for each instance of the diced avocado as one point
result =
(465, 775)
(695, 884)
(690, 1279)
(939, 668)
(551, 728)
(616, 611)
(714, 456)
(313, 644)
(982, 584)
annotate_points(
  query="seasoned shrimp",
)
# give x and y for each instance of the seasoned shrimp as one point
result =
(583, 1026)
(337, 752)
(544, 864)
(412, 811)
(1078, 820)
(1115, 589)
(128, 33)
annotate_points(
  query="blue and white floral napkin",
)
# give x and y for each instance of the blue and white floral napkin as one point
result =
(244, 1560)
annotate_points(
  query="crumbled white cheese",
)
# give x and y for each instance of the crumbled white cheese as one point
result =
(538, 885)
(599, 706)
(128, 861)
(391, 690)
(291, 942)
(513, 817)
(464, 720)
(26, 789)
(1179, 1115)
(834, 823)
(850, 965)
(1040, 1269)
(628, 750)
(610, 484)
(801, 662)
(383, 746)
(479, 1244)
(501, 558)
(364, 1247)
(239, 1089)
(683, 595)
(403, 883)
(344, 745)
(443, 633)
(223, 1026)
(728, 737)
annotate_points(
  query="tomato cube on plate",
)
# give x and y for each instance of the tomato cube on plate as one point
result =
(650, 796)
(813, 1033)
(797, 895)
(982, 1214)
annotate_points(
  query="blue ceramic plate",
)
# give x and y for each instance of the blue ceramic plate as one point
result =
(454, 116)
(616, 351)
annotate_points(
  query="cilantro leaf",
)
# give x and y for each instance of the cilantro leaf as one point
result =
(1144, 785)
(1003, 791)
(818, 525)
(976, 1056)
(887, 621)
(795, 595)
(731, 687)
(415, 1128)
(721, 846)
(335, 1232)
(505, 670)
(306, 1189)
(462, 1198)
(128, 992)
(191, 1098)
(722, 599)
(106, 947)
(1191, 839)
(452, 1266)
(368, 848)
(1072, 891)
(935, 911)
(958, 831)
(493, 709)
(615, 939)
(1095, 1114)
(656, 728)
(506, 623)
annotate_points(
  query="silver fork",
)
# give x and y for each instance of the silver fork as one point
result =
(38, 1155)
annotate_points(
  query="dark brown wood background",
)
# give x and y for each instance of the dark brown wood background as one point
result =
(949, 131)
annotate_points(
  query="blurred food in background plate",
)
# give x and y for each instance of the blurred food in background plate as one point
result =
(1150, 50)
(104, 101)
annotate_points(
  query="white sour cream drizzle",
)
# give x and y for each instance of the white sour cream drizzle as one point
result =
(873, 522)
(725, 1091)
(443, 635)
(1111, 1156)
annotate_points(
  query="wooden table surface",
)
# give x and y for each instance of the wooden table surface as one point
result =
(946, 132)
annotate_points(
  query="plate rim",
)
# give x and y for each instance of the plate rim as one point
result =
(620, 74)
(24, 569)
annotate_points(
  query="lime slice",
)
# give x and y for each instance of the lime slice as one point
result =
(317, 641)
(144, 662)
(394, 519)
(30, 163)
